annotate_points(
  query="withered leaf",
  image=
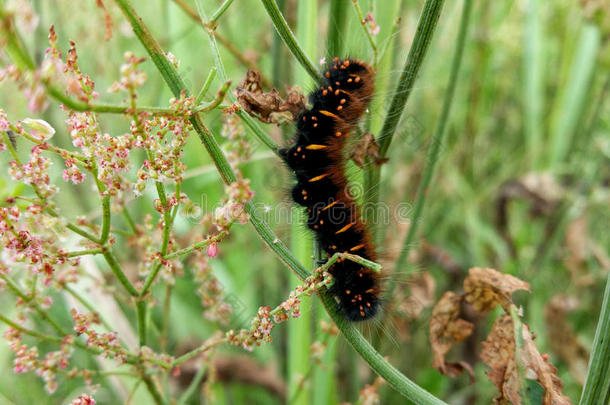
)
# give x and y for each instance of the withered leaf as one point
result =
(447, 329)
(486, 288)
(268, 107)
(499, 353)
(367, 148)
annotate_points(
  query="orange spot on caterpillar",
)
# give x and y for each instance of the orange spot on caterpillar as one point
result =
(336, 92)
(325, 92)
(342, 101)
(327, 74)
(330, 205)
(315, 125)
(329, 114)
(345, 228)
(337, 133)
(348, 292)
(315, 147)
(339, 108)
(357, 247)
(320, 177)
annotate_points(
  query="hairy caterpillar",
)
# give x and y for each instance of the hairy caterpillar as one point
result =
(322, 187)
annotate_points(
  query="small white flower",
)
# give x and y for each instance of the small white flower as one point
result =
(322, 61)
(38, 128)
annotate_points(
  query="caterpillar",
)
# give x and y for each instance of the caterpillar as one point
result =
(316, 158)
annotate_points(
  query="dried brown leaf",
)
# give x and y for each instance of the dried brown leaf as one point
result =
(545, 372)
(447, 329)
(268, 107)
(367, 147)
(486, 288)
(499, 353)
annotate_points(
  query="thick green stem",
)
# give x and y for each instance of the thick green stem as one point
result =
(437, 138)
(375, 360)
(425, 30)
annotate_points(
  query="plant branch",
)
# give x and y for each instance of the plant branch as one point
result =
(437, 138)
(282, 28)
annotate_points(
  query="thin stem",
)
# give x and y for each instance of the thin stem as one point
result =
(119, 274)
(201, 349)
(366, 31)
(249, 121)
(197, 246)
(437, 138)
(282, 28)
(85, 252)
(206, 85)
(129, 220)
(425, 30)
(375, 360)
(224, 41)
(218, 13)
(217, 100)
(29, 332)
(190, 390)
(153, 389)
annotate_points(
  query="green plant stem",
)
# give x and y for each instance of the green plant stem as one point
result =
(597, 383)
(77, 105)
(154, 391)
(425, 30)
(366, 30)
(119, 274)
(249, 121)
(423, 35)
(375, 360)
(85, 252)
(437, 138)
(395, 378)
(201, 349)
(282, 28)
(218, 13)
(197, 246)
(224, 41)
(190, 390)
(206, 85)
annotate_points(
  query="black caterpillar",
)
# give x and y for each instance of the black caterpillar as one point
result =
(322, 187)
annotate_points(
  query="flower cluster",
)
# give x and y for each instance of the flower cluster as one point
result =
(131, 76)
(34, 172)
(83, 399)
(108, 342)
(265, 319)
(27, 358)
(259, 332)
(237, 147)
(211, 292)
(238, 193)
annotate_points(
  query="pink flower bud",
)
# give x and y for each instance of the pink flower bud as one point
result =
(212, 250)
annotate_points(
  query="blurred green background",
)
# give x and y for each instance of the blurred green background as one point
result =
(521, 184)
